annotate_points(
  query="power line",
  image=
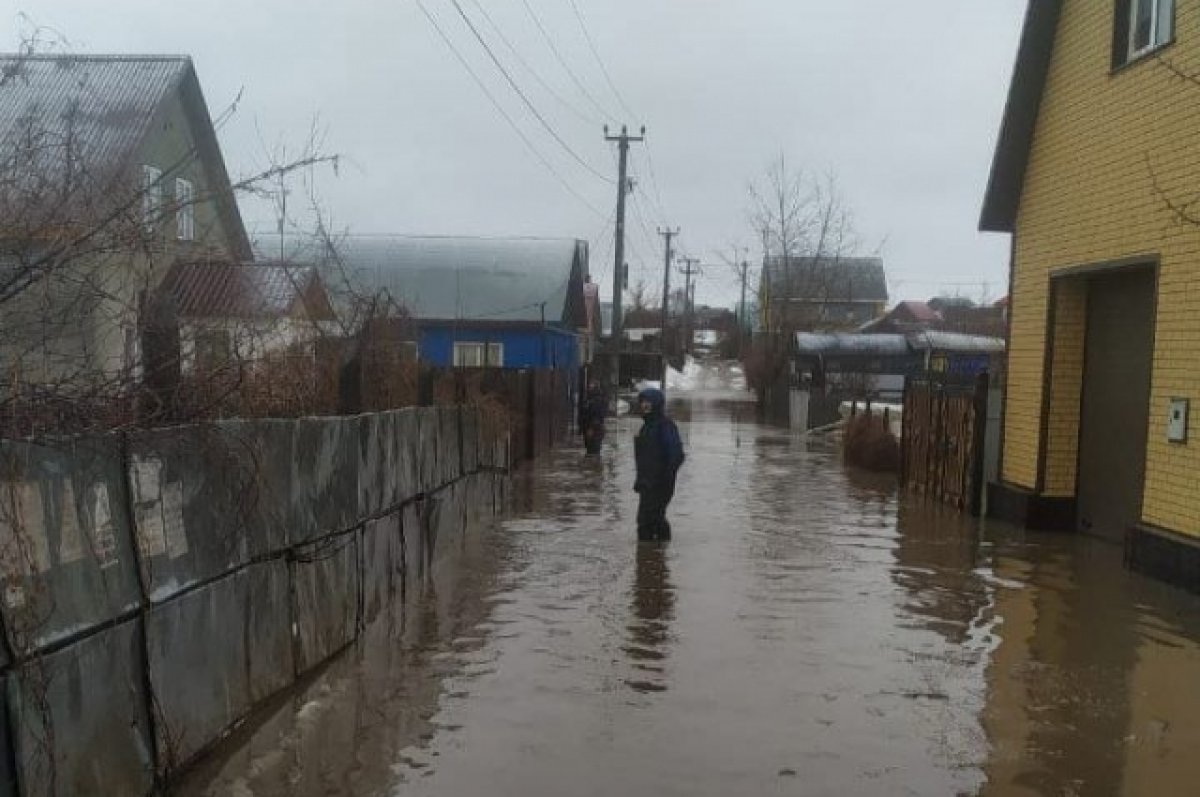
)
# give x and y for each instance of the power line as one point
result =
(654, 179)
(570, 106)
(500, 109)
(524, 98)
(600, 61)
(563, 62)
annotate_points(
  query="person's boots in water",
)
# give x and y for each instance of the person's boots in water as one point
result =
(659, 453)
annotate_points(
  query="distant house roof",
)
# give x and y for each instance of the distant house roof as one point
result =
(828, 279)
(90, 114)
(1007, 180)
(458, 278)
(247, 291)
(936, 340)
(810, 344)
(904, 317)
(838, 343)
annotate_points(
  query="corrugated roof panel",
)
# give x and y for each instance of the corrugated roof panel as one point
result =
(236, 290)
(449, 278)
(91, 111)
(936, 340)
(845, 343)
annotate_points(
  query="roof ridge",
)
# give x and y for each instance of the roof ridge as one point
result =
(426, 237)
(118, 57)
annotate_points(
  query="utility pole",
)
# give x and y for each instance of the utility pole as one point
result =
(690, 269)
(668, 234)
(619, 272)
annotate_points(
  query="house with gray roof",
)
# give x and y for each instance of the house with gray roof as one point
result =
(473, 302)
(822, 293)
(110, 171)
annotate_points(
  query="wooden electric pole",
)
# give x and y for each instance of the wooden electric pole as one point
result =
(619, 244)
(668, 235)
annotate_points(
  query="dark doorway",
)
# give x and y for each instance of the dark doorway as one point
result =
(1116, 401)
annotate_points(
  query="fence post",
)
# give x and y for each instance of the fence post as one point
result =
(978, 443)
(905, 422)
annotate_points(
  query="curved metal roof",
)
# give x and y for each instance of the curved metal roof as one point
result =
(839, 343)
(456, 278)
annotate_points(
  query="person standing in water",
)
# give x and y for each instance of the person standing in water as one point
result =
(593, 412)
(659, 454)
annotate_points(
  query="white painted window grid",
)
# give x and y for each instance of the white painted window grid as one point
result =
(478, 355)
(1150, 25)
(185, 215)
(151, 196)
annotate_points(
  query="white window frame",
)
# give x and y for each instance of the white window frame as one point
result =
(152, 192)
(1160, 11)
(185, 213)
(477, 354)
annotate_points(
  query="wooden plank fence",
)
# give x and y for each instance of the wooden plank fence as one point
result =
(942, 444)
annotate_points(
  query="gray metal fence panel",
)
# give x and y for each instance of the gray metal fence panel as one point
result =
(375, 489)
(325, 581)
(65, 546)
(428, 421)
(450, 463)
(197, 503)
(324, 477)
(261, 451)
(79, 719)
(407, 440)
(471, 430)
(447, 521)
(383, 565)
(271, 657)
(196, 647)
(416, 552)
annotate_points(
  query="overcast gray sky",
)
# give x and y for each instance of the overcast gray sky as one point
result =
(902, 106)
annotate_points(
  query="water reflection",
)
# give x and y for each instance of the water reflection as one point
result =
(653, 609)
(808, 619)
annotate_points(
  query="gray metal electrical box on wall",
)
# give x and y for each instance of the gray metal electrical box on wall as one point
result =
(1177, 421)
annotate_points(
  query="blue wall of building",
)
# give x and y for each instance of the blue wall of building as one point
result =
(523, 348)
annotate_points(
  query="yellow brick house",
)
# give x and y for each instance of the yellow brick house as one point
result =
(1096, 176)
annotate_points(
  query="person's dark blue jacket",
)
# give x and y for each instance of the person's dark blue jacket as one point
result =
(658, 448)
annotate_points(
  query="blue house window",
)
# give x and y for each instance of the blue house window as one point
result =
(478, 355)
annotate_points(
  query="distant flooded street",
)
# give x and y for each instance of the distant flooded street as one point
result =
(809, 631)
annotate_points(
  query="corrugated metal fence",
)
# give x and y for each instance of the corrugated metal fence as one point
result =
(157, 587)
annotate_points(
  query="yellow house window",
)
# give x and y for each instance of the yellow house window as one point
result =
(1143, 26)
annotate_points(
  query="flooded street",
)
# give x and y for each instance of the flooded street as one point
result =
(809, 631)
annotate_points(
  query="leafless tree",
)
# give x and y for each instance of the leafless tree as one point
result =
(806, 229)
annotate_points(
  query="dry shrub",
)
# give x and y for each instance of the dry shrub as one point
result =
(870, 444)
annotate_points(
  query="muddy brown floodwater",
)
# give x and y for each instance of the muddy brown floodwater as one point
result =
(810, 631)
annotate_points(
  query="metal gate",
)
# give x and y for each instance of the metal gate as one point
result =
(942, 443)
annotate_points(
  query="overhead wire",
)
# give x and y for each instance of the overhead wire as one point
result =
(591, 42)
(563, 62)
(570, 106)
(507, 117)
(525, 98)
